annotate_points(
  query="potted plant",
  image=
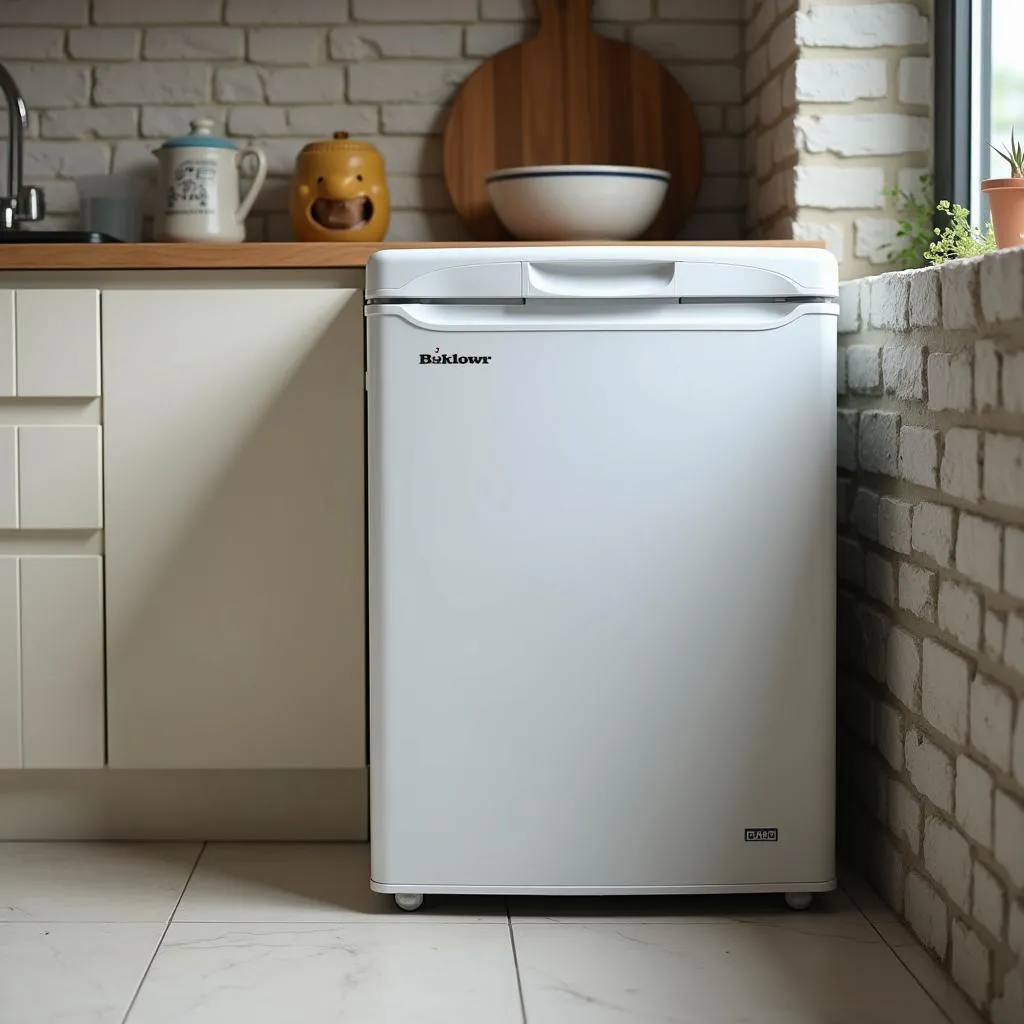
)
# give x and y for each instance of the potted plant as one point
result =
(1006, 197)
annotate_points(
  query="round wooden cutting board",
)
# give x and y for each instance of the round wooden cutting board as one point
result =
(570, 96)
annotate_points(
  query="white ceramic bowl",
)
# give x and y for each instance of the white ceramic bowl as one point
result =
(577, 201)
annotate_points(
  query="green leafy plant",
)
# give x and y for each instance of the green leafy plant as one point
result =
(914, 233)
(1013, 155)
(958, 239)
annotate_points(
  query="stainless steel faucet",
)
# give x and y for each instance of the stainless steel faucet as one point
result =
(23, 202)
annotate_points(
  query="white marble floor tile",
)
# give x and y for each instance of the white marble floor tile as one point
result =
(938, 985)
(440, 972)
(304, 882)
(831, 913)
(724, 972)
(72, 973)
(96, 882)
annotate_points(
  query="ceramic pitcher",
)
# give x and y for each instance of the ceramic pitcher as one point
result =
(199, 187)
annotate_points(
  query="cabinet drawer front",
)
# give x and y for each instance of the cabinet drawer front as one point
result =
(62, 661)
(51, 662)
(57, 343)
(60, 478)
(8, 478)
(6, 343)
(10, 665)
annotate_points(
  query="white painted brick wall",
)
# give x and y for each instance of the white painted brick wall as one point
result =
(880, 578)
(840, 81)
(915, 81)
(103, 75)
(930, 769)
(947, 858)
(988, 901)
(945, 679)
(903, 667)
(932, 531)
(1009, 836)
(979, 550)
(862, 25)
(855, 82)
(1013, 646)
(894, 524)
(926, 913)
(903, 371)
(1004, 469)
(950, 522)
(839, 188)
(864, 134)
(878, 448)
(919, 456)
(949, 381)
(1015, 928)
(960, 614)
(917, 591)
(992, 710)
(995, 635)
(974, 800)
(864, 369)
(960, 474)
(971, 963)
(905, 814)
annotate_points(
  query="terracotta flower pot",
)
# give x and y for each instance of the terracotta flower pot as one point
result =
(1006, 198)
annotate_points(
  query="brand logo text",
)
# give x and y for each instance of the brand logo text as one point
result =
(443, 359)
(761, 835)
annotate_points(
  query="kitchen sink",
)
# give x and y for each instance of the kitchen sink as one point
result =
(54, 237)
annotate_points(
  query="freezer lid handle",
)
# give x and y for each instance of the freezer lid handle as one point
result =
(599, 279)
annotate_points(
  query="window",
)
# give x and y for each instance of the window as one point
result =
(979, 95)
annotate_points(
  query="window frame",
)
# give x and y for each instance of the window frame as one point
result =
(955, 36)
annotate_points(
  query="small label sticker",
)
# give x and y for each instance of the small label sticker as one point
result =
(193, 188)
(761, 835)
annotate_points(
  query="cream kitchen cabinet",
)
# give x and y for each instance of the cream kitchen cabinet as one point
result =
(51, 661)
(50, 343)
(234, 527)
(51, 574)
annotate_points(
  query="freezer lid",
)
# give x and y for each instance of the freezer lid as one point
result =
(724, 273)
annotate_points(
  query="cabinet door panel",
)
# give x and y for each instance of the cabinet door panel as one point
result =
(59, 478)
(233, 461)
(62, 661)
(6, 343)
(10, 665)
(58, 342)
(8, 478)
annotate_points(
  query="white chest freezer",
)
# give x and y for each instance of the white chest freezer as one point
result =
(601, 570)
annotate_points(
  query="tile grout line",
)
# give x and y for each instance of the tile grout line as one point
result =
(892, 949)
(163, 934)
(515, 961)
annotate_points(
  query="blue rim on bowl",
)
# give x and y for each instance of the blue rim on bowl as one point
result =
(581, 171)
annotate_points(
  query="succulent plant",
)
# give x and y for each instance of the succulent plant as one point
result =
(1014, 156)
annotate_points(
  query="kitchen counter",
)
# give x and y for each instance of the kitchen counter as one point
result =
(248, 256)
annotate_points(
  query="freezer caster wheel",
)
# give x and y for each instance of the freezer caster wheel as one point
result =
(409, 901)
(798, 900)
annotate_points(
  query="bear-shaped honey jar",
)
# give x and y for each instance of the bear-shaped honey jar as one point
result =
(339, 192)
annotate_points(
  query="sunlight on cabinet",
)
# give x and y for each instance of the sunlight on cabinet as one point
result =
(233, 454)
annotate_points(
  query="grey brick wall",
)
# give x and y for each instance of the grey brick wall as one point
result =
(931, 610)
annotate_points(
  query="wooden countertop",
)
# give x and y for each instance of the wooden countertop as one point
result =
(250, 255)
